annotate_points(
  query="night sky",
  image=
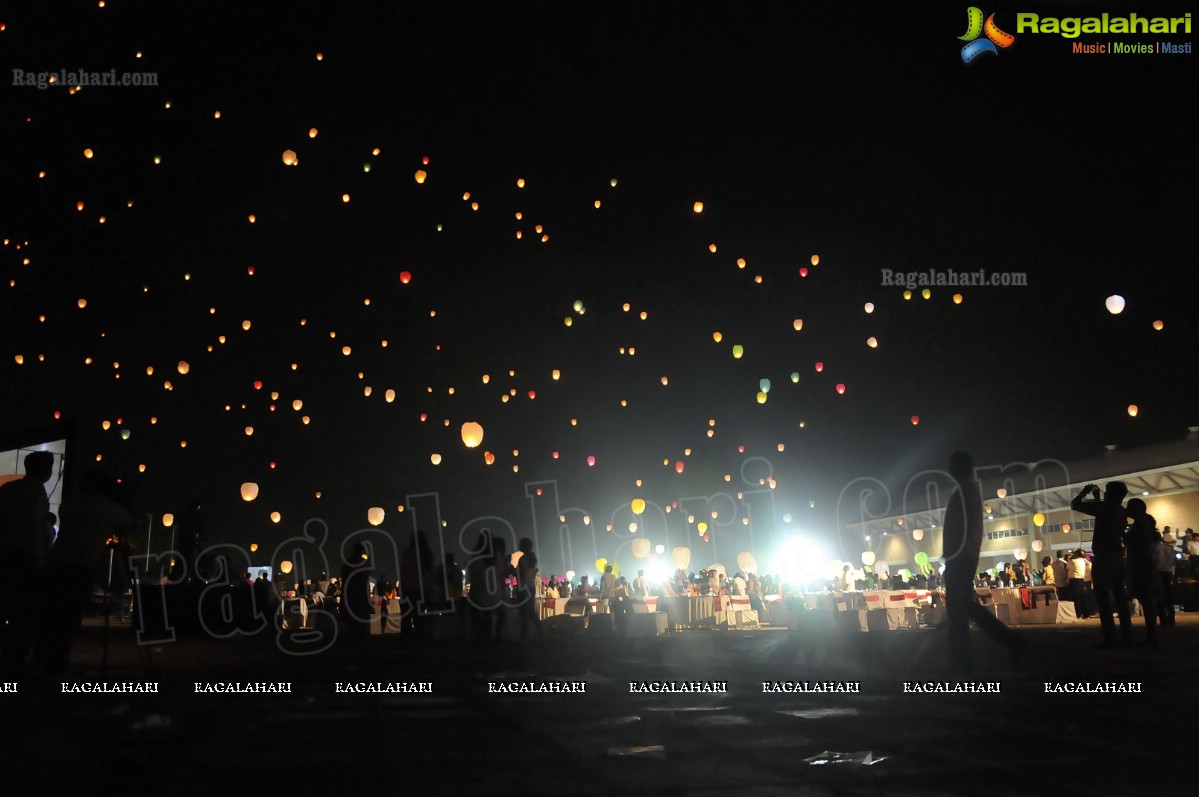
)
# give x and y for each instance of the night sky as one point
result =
(853, 133)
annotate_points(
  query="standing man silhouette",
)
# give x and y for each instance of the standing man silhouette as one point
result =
(963, 535)
(1108, 570)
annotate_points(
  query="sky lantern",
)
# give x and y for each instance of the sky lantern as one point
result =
(296, 405)
(1065, 528)
(738, 350)
(1038, 519)
(815, 260)
(591, 460)
(717, 336)
(868, 307)
(420, 176)
(1114, 304)
(907, 295)
(841, 387)
(640, 547)
(249, 431)
(680, 466)
(1001, 492)
(915, 420)
(819, 367)
(289, 157)
(764, 385)
(1133, 410)
(435, 459)
(926, 294)
(488, 458)
(762, 396)
(82, 303)
(183, 367)
(87, 153)
(375, 515)
(405, 277)
(345, 197)
(312, 131)
(872, 342)
(797, 324)
(868, 558)
(555, 375)
(957, 298)
(741, 262)
(276, 517)
(918, 534)
(1159, 325)
(637, 505)
(253, 547)
(803, 271)
(472, 434)
(168, 520)
(698, 207)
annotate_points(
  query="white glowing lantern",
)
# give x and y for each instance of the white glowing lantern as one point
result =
(1037, 545)
(435, 459)
(375, 515)
(276, 517)
(285, 567)
(868, 558)
(681, 557)
(1021, 553)
(1114, 304)
(659, 549)
(1001, 492)
(747, 562)
(640, 547)
(918, 534)
(472, 434)
(249, 491)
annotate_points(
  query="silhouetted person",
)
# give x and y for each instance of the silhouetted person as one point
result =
(193, 541)
(1107, 566)
(526, 574)
(1142, 568)
(25, 534)
(963, 535)
(89, 518)
(502, 569)
(266, 599)
(356, 595)
(483, 594)
(416, 569)
(1163, 556)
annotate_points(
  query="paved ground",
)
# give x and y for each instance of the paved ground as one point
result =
(462, 740)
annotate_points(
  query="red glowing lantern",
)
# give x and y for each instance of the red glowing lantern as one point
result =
(405, 277)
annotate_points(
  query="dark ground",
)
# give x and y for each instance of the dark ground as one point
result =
(461, 740)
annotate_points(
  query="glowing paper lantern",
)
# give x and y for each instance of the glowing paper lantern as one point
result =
(815, 260)
(869, 307)
(681, 557)
(738, 350)
(276, 517)
(795, 377)
(872, 342)
(1038, 519)
(472, 434)
(640, 547)
(762, 397)
(168, 520)
(637, 505)
(915, 420)
(679, 466)
(764, 385)
(183, 367)
(1133, 410)
(435, 459)
(1021, 553)
(716, 336)
(819, 367)
(698, 207)
(600, 564)
(797, 324)
(289, 158)
(253, 547)
(1159, 325)
(957, 298)
(375, 515)
(840, 387)
(1037, 545)
(1001, 492)
(285, 567)
(747, 562)
(1065, 528)
(420, 176)
(591, 461)
(867, 558)
(918, 534)
(1114, 304)
(249, 491)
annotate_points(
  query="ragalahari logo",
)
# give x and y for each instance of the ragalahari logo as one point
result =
(995, 38)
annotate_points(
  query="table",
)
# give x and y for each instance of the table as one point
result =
(688, 611)
(1024, 605)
